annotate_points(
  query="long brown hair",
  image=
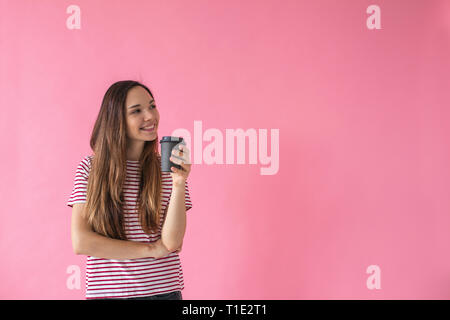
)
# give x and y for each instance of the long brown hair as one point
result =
(105, 201)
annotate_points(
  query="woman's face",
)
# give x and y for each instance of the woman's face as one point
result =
(141, 112)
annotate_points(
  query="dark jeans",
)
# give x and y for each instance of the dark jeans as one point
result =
(176, 295)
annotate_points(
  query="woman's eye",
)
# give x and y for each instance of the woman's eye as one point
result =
(151, 107)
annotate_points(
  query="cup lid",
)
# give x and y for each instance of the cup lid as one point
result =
(171, 139)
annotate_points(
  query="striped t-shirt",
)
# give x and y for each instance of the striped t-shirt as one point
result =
(110, 278)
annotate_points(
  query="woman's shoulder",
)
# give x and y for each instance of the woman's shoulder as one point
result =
(85, 163)
(88, 159)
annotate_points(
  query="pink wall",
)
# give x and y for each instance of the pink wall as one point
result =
(362, 114)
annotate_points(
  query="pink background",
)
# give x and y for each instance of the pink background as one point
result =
(364, 155)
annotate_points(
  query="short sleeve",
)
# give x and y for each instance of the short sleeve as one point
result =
(79, 189)
(187, 197)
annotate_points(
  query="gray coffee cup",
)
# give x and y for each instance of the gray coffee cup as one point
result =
(167, 145)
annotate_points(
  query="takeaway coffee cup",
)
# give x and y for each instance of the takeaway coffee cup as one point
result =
(167, 145)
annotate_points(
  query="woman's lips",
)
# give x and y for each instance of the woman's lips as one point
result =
(149, 130)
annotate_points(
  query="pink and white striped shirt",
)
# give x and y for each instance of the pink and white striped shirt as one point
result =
(110, 278)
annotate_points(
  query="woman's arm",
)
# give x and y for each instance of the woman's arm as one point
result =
(87, 242)
(174, 226)
(95, 245)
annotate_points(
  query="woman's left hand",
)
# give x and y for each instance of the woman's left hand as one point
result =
(180, 156)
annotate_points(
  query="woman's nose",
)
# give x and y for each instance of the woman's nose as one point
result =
(148, 115)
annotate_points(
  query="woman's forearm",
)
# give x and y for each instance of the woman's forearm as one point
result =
(96, 245)
(174, 226)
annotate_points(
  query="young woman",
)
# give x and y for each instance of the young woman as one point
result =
(128, 217)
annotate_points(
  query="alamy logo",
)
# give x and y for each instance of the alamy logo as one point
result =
(213, 152)
(374, 21)
(74, 280)
(374, 280)
(73, 21)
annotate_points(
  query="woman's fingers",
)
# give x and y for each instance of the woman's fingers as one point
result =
(179, 158)
(183, 154)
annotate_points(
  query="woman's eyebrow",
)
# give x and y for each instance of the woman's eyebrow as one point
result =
(138, 105)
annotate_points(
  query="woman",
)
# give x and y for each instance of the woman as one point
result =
(128, 217)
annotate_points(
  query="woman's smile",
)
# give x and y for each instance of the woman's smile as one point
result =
(149, 128)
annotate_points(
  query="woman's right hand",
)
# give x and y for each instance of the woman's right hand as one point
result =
(158, 250)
